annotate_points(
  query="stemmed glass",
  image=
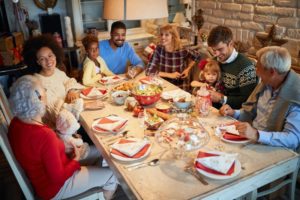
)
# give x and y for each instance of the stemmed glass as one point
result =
(219, 133)
(132, 72)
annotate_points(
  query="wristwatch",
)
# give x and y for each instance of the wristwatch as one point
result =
(223, 99)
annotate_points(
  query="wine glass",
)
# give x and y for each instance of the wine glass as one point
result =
(219, 133)
(132, 72)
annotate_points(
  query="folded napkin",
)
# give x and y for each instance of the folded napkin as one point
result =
(130, 148)
(110, 79)
(149, 80)
(175, 93)
(110, 123)
(92, 92)
(219, 164)
(229, 136)
(230, 129)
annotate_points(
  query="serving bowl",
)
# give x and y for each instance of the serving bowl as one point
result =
(147, 94)
(119, 97)
(182, 105)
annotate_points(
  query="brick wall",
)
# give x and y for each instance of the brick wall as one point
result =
(246, 18)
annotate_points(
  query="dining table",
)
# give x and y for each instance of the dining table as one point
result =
(260, 164)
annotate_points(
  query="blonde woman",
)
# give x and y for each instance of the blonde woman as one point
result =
(171, 60)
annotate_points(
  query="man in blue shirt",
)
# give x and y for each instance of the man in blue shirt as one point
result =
(116, 52)
(271, 114)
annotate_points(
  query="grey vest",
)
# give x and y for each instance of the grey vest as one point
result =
(288, 94)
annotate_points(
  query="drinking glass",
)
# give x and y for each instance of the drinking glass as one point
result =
(141, 118)
(219, 133)
(132, 72)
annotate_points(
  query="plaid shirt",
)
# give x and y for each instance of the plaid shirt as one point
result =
(170, 62)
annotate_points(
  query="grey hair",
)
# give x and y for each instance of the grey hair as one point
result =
(24, 98)
(275, 57)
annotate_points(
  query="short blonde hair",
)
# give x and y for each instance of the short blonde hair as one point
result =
(175, 35)
(211, 66)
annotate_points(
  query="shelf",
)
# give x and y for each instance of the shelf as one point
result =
(84, 2)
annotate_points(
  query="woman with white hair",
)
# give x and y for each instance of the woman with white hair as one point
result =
(42, 154)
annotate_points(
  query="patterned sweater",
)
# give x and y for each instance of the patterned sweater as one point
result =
(239, 79)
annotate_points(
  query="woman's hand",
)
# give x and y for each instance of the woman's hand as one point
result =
(185, 73)
(174, 75)
(71, 96)
(78, 151)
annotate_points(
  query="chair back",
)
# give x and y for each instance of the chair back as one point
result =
(5, 106)
(5, 118)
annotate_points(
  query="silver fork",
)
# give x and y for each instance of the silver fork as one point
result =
(191, 170)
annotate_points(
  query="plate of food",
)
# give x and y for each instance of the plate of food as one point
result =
(131, 149)
(126, 86)
(218, 165)
(93, 93)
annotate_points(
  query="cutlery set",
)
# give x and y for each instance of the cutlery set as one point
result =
(191, 170)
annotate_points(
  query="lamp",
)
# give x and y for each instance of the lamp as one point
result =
(179, 18)
(135, 9)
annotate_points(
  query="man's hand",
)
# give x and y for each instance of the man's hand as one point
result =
(216, 97)
(72, 95)
(226, 110)
(246, 130)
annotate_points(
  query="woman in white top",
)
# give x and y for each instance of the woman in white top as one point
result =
(43, 55)
(94, 67)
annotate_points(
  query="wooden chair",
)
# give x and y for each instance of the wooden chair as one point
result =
(5, 118)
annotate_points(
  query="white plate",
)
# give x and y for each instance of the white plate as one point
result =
(110, 80)
(120, 158)
(112, 132)
(237, 170)
(235, 141)
(95, 97)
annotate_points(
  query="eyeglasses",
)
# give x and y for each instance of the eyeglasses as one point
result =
(38, 94)
(44, 59)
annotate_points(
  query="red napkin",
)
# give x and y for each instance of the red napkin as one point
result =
(200, 166)
(229, 136)
(145, 79)
(86, 91)
(137, 155)
(105, 120)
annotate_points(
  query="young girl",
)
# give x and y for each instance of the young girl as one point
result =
(94, 67)
(209, 76)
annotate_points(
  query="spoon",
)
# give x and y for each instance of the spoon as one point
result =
(153, 162)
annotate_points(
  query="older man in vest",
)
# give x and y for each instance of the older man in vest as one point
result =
(271, 114)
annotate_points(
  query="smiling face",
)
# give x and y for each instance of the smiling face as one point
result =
(118, 36)
(166, 38)
(47, 60)
(93, 51)
(222, 51)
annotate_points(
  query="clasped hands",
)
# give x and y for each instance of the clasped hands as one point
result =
(244, 128)
(177, 75)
